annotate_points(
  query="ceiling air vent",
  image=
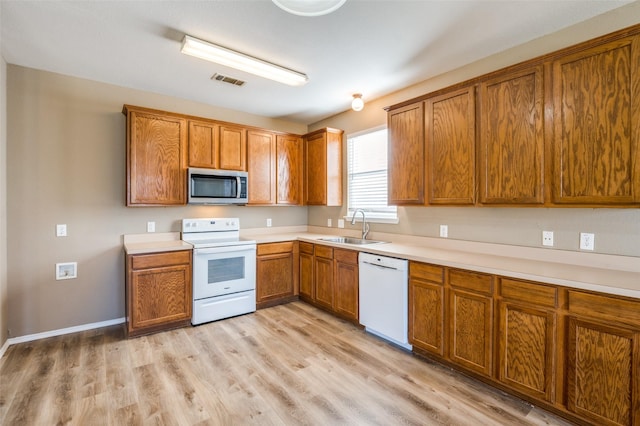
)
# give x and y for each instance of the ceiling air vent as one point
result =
(227, 79)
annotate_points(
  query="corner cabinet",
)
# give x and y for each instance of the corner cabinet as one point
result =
(276, 273)
(158, 291)
(156, 157)
(329, 279)
(596, 95)
(406, 155)
(323, 160)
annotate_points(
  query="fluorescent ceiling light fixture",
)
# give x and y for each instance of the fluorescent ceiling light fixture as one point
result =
(309, 7)
(230, 58)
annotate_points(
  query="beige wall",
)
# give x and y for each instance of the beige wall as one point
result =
(617, 231)
(66, 152)
(4, 311)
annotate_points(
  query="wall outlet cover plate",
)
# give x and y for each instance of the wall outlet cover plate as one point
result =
(66, 271)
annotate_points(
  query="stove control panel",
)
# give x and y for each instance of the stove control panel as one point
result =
(214, 224)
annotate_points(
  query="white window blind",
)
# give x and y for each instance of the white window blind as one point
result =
(367, 175)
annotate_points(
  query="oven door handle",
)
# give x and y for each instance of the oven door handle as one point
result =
(225, 249)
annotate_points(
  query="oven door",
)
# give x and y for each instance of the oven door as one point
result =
(223, 270)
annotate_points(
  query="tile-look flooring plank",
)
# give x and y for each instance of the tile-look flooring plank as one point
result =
(290, 364)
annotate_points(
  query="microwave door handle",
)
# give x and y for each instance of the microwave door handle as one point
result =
(238, 186)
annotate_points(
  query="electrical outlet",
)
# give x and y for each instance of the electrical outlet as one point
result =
(151, 227)
(61, 230)
(547, 238)
(340, 223)
(444, 231)
(269, 223)
(66, 271)
(587, 241)
(329, 222)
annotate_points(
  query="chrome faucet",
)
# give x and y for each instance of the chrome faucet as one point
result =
(365, 225)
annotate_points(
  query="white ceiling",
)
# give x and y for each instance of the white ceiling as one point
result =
(370, 46)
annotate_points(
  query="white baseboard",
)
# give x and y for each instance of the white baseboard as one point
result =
(59, 332)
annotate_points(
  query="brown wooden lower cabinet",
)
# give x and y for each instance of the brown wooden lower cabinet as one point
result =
(346, 284)
(574, 352)
(158, 291)
(276, 273)
(323, 276)
(471, 320)
(329, 279)
(307, 287)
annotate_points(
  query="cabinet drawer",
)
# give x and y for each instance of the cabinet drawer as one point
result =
(157, 260)
(324, 251)
(346, 256)
(523, 291)
(306, 247)
(273, 248)
(597, 305)
(426, 272)
(474, 281)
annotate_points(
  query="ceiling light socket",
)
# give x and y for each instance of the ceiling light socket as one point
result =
(357, 103)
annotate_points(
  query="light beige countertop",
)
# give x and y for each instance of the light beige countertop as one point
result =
(588, 271)
(154, 243)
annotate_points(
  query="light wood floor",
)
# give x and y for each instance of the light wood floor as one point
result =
(291, 364)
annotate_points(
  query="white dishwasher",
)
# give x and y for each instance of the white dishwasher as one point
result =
(384, 297)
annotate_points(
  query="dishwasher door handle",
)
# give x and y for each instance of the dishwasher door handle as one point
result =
(380, 266)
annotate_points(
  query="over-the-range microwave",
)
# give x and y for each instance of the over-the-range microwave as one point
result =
(214, 186)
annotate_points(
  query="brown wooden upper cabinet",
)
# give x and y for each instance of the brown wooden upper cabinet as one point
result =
(406, 155)
(156, 157)
(512, 138)
(233, 147)
(323, 160)
(275, 168)
(289, 169)
(203, 144)
(596, 95)
(217, 145)
(450, 131)
(261, 164)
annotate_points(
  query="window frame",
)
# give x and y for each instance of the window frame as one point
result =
(374, 217)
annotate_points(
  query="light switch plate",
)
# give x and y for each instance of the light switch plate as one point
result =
(329, 223)
(444, 231)
(61, 230)
(268, 222)
(151, 227)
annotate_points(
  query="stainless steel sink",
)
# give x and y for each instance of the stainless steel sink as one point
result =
(349, 240)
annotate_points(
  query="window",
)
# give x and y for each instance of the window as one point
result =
(367, 176)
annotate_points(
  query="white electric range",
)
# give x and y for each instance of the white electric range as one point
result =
(224, 269)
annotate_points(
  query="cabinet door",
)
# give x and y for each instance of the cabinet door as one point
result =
(426, 315)
(346, 285)
(156, 166)
(527, 349)
(323, 276)
(406, 155)
(512, 138)
(274, 277)
(471, 330)
(289, 170)
(307, 287)
(233, 148)
(203, 144)
(316, 161)
(261, 162)
(450, 129)
(602, 372)
(159, 296)
(597, 125)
